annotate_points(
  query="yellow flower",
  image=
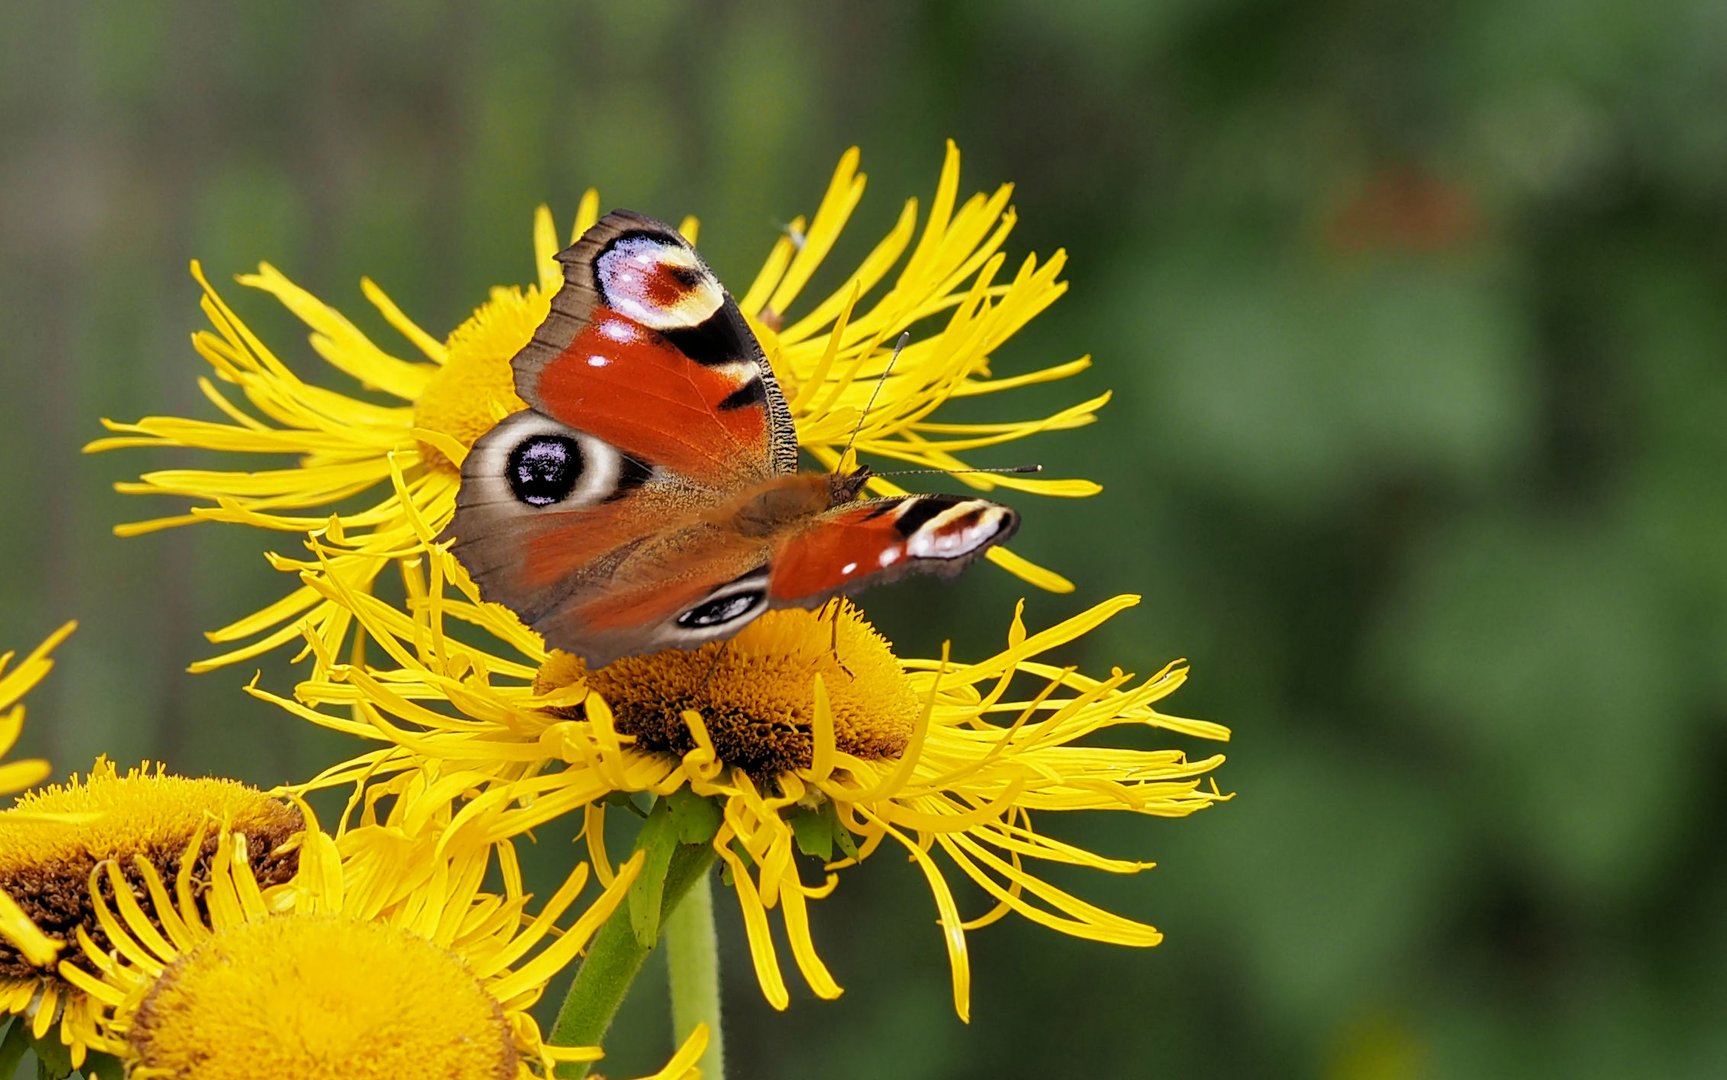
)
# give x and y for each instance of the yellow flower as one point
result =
(954, 291)
(53, 840)
(326, 976)
(799, 746)
(16, 928)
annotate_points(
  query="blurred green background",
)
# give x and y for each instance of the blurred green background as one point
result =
(1417, 319)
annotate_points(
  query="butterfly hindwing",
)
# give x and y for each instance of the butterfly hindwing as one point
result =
(596, 552)
(717, 587)
(541, 506)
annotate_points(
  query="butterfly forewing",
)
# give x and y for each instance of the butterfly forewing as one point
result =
(645, 349)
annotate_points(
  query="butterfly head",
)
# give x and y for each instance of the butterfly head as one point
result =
(845, 486)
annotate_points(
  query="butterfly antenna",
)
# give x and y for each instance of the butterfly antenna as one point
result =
(880, 379)
(833, 608)
(957, 472)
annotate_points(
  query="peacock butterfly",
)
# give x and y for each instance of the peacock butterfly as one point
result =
(649, 497)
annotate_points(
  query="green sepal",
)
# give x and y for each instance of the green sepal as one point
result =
(814, 833)
(697, 818)
(659, 838)
(53, 1058)
(102, 1067)
(623, 800)
(819, 831)
(13, 1044)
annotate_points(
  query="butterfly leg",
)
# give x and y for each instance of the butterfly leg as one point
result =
(713, 666)
(832, 608)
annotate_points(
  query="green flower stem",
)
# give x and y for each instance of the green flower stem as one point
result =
(615, 958)
(693, 958)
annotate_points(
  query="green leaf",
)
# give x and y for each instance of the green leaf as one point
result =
(101, 1067)
(659, 838)
(697, 818)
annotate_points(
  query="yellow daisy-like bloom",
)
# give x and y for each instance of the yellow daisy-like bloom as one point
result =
(800, 747)
(16, 928)
(53, 840)
(954, 291)
(233, 977)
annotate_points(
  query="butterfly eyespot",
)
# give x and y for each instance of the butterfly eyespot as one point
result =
(544, 469)
(658, 282)
(722, 609)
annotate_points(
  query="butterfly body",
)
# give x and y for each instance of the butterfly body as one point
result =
(649, 496)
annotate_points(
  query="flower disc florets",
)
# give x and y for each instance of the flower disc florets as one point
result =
(300, 996)
(113, 832)
(754, 693)
(46, 865)
(384, 955)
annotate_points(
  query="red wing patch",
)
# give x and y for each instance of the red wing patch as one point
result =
(862, 544)
(645, 349)
(626, 384)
